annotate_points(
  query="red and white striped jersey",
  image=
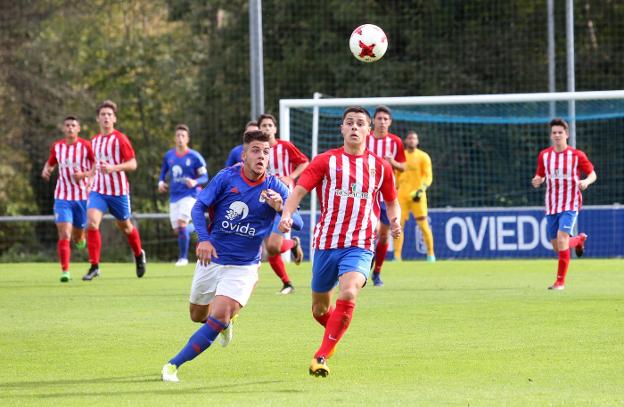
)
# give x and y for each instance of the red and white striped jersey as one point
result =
(114, 148)
(391, 145)
(562, 171)
(284, 158)
(348, 188)
(71, 158)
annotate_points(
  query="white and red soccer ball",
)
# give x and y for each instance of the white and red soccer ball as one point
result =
(368, 43)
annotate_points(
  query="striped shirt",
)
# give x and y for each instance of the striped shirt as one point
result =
(114, 148)
(348, 188)
(562, 171)
(71, 158)
(284, 158)
(390, 145)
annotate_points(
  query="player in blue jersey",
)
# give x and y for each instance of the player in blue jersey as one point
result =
(236, 155)
(243, 202)
(187, 171)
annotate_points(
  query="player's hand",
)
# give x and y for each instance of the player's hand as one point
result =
(107, 168)
(273, 199)
(285, 224)
(79, 176)
(537, 181)
(389, 158)
(205, 251)
(417, 195)
(162, 186)
(190, 182)
(45, 174)
(395, 228)
(583, 184)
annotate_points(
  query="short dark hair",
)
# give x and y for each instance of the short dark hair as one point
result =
(70, 117)
(383, 109)
(184, 127)
(254, 135)
(558, 121)
(251, 123)
(266, 116)
(355, 109)
(107, 103)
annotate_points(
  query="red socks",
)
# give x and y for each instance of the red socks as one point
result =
(336, 327)
(380, 256)
(94, 245)
(278, 266)
(325, 317)
(574, 241)
(64, 253)
(134, 240)
(287, 244)
(562, 268)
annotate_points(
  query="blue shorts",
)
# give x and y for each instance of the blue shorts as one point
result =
(330, 264)
(563, 221)
(74, 212)
(383, 216)
(118, 205)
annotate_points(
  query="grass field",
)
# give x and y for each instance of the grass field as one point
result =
(454, 333)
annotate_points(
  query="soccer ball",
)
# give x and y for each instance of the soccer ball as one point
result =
(368, 43)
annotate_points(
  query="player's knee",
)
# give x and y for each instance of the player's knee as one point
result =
(273, 247)
(349, 293)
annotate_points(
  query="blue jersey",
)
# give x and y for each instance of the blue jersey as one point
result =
(240, 217)
(235, 157)
(180, 167)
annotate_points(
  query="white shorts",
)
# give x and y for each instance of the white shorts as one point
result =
(181, 210)
(235, 282)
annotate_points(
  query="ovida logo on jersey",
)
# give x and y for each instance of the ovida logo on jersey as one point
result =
(355, 191)
(237, 212)
(176, 172)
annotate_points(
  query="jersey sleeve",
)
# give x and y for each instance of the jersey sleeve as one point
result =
(296, 156)
(214, 189)
(234, 157)
(540, 171)
(125, 148)
(400, 155)
(164, 169)
(52, 157)
(281, 188)
(314, 173)
(387, 186)
(201, 172)
(90, 153)
(584, 164)
(426, 170)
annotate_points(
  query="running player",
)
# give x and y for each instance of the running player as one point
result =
(111, 191)
(187, 172)
(389, 147)
(348, 181)
(75, 159)
(560, 166)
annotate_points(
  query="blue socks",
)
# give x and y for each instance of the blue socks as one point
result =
(184, 239)
(199, 342)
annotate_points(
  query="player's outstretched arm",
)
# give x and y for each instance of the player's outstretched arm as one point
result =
(47, 171)
(291, 205)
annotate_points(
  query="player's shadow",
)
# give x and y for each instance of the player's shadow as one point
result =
(172, 388)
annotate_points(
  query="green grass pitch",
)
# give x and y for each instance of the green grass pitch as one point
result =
(453, 333)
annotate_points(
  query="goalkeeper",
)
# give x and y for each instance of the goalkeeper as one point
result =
(412, 185)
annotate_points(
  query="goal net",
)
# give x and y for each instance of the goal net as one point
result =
(484, 151)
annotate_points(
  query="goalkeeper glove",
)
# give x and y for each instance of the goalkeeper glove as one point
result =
(416, 195)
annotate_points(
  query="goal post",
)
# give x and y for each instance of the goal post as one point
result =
(483, 147)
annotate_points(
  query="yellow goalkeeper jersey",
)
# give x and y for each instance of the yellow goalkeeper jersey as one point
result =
(417, 174)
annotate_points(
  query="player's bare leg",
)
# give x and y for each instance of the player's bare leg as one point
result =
(380, 252)
(64, 230)
(79, 237)
(398, 242)
(134, 240)
(94, 242)
(275, 245)
(561, 246)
